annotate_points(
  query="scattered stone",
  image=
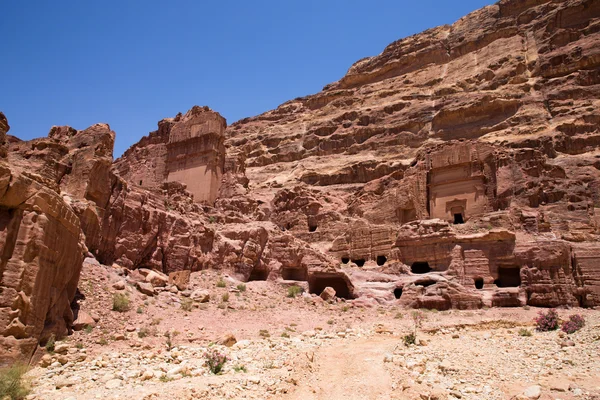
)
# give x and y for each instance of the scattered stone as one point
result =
(146, 288)
(328, 293)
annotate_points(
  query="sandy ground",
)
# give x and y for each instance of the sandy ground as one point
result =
(304, 348)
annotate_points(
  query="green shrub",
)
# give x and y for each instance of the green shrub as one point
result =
(12, 385)
(225, 297)
(294, 291)
(50, 344)
(187, 304)
(264, 333)
(240, 368)
(88, 329)
(143, 332)
(121, 302)
(221, 283)
(241, 287)
(409, 339)
(524, 332)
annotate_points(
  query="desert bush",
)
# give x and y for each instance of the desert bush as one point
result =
(575, 323)
(221, 283)
(12, 385)
(240, 368)
(241, 287)
(409, 339)
(264, 333)
(143, 332)
(215, 360)
(187, 304)
(524, 332)
(294, 291)
(121, 302)
(547, 321)
(225, 297)
(50, 344)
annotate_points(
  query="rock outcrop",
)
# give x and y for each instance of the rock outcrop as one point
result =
(457, 169)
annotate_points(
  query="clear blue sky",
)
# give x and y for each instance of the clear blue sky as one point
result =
(131, 63)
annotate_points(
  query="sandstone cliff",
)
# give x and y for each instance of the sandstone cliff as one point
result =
(457, 169)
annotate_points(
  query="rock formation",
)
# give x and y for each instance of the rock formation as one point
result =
(457, 169)
(187, 149)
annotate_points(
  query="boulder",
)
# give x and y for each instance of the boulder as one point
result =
(157, 279)
(83, 320)
(146, 288)
(328, 293)
(181, 279)
(200, 295)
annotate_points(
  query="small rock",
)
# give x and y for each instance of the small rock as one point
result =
(83, 320)
(328, 293)
(120, 285)
(113, 384)
(146, 288)
(157, 279)
(533, 392)
(147, 375)
(388, 358)
(46, 361)
(61, 348)
(227, 340)
(201, 296)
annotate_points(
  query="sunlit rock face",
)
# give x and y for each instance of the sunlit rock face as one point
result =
(460, 168)
(187, 149)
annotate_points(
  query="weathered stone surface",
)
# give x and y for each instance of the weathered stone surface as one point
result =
(187, 149)
(457, 169)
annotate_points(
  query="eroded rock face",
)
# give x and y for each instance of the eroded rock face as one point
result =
(457, 169)
(187, 149)
(41, 247)
(469, 151)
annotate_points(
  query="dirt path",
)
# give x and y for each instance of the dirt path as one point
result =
(353, 370)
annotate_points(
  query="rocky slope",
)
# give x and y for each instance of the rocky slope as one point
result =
(459, 168)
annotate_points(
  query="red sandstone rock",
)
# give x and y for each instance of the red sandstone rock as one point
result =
(457, 169)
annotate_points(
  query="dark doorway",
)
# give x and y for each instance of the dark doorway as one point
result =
(425, 282)
(258, 275)
(420, 267)
(294, 274)
(381, 260)
(345, 260)
(360, 262)
(478, 283)
(508, 277)
(398, 292)
(458, 219)
(316, 284)
(312, 227)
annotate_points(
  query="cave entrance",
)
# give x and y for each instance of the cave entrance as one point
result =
(420, 267)
(508, 277)
(458, 218)
(359, 262)
(312, 227)
(317, 283)
(425, 283)
(294, 274)
(345, 260)
(398, 292)
(478, 283)
(381, 260)
(258, 275)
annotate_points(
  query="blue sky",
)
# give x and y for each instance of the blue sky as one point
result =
(131, 63)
